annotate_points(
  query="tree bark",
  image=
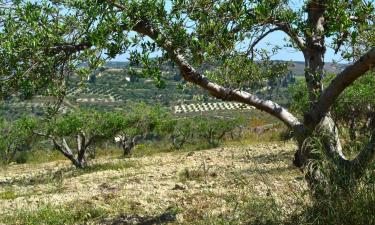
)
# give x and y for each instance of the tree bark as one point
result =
(339, 83)
(67, 152)
(318, 118)
(81, 149)
(190, 74)
(128, 143)
(314, 74)
(315, 49)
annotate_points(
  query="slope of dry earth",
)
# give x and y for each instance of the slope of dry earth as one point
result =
(196, 185)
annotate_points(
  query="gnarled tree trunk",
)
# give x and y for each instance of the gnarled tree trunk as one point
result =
(83, 143)
(128, 143)
(314, 73)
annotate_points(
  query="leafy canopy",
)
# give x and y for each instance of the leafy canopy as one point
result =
(44, 41)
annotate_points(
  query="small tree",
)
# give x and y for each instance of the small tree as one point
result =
(15, 136)
(83, 128)
(182, 131)
(178, 130)
(139, 122)
(214, 129)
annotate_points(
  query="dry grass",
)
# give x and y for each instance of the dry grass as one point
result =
(223, 184)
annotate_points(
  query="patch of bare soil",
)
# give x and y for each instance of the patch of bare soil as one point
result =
(195, 185)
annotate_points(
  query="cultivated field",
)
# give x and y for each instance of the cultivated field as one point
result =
(211, 106)
(229, 185)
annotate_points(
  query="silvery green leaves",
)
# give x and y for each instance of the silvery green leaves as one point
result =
(29, 34)
(67, 36)
(347, 22)
(240, 72)
(44, 42)
(53, 40)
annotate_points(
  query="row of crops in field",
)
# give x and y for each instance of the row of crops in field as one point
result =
(96, 100)
(210, 106)
(106, 92)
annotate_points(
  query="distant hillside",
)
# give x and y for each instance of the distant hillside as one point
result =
(112, 87)
(298, 67)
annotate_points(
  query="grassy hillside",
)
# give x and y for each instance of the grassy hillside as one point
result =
(113, 88)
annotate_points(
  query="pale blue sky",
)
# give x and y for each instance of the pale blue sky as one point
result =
(275, 39)
(286, 54)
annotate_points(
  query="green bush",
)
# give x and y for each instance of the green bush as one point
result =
(15, 138)
(21, 157)
(356, 205)
(338, 196)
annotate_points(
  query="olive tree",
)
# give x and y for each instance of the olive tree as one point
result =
(214, 129)
(15, 136)
(74, 133)
(141, 120)
(182, 130)
(44, 38)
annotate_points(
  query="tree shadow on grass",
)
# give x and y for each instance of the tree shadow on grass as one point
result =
(53, 176)
(269, 171)
(286, 157)
(272, 164)
(127, 219)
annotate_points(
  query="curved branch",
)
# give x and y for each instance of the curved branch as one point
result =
(261, 37)
(63, 147)
(190, 74)
(338, 85)
(289, 31)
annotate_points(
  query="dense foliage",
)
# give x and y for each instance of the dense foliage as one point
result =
(141, 121)
(83, 128)
(209, 129)
(15, 136)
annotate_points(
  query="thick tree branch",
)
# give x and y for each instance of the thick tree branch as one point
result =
(63, 148)
(190, 74)
(81, 148)
(338, 85)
